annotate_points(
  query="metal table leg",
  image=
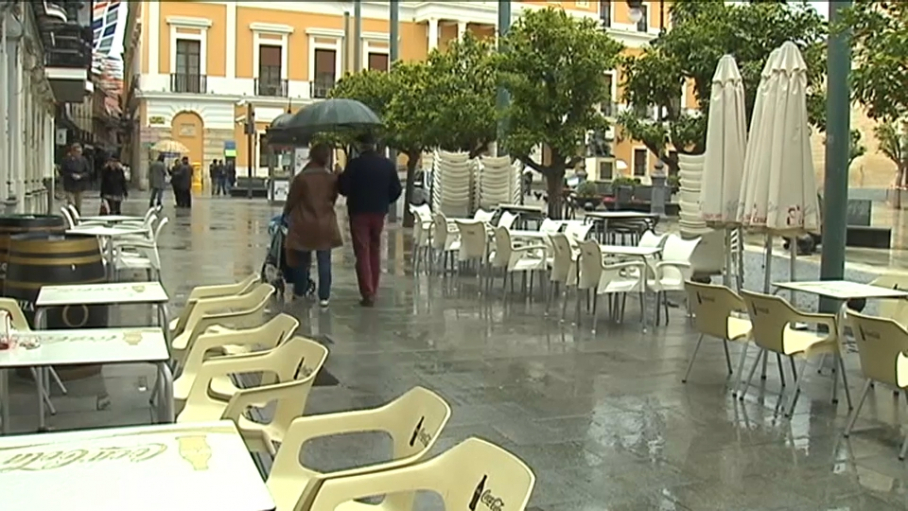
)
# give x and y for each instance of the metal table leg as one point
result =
(165, 405)
(42, 422)
(4, 402)
(41, 323)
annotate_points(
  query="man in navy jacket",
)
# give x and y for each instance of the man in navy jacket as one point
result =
(371, 185)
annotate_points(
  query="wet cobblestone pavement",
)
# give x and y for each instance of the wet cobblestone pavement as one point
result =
(602, 419)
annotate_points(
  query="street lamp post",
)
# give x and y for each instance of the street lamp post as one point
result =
(502, 100)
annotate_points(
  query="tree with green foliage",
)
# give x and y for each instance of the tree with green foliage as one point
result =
(554, 70)
(879, 35)
(465, 74)
(702, 32)
(894, 144)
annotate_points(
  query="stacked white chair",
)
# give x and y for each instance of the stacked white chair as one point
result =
(498, 182)
(690, 174)
(453, 184)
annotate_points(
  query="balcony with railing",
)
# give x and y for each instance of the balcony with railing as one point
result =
(272, 88)
(189, 83)
(321, 86)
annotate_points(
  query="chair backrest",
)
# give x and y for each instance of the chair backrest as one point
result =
(75, 212)
(590, 264)
(895, 308)
(68, 216)
(235, 311)
(550, 226)
(474, 475)
(882, 347)
(679, 250)
(504, 247)
(711, 306)
(159, 229)
(482, 215)
(563, 269)
(440, 237)
(16, 316)
(506, 219)
(296, 364)
(473, 239)
(148, 214)
(578, 230)
(769, 315)
(414, 421)
(217, 291)
(650, 239)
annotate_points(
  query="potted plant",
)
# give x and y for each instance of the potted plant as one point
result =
(587, 195)
(624, 189)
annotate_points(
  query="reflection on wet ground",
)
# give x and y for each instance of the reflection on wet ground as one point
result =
(603, 419)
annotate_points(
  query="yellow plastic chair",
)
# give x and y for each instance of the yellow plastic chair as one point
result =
(276, 331)
(231, 311)
(242, 287)
(883, 350)
(473, 475)
(772, 319)
(714, 309)
(414, 421)
(295, 364)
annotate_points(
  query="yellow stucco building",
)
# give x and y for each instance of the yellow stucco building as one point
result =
(194, 62)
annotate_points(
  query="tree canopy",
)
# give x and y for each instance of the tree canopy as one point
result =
(554, 71)
(702, 31)
(880, 57)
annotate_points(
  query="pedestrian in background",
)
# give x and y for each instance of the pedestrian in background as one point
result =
(113, 185)
(312, 223)
(76, 175)
(183, 179)
(157, 180)
(371, 184)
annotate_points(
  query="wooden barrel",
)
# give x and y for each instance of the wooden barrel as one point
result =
(36, 260)
(11, 225)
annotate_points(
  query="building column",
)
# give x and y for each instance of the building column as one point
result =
(433, 33)
(461, 29)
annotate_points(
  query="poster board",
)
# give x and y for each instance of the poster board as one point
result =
(280, 187)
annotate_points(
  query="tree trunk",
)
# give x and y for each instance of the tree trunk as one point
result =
(412, 160)
(554, 180)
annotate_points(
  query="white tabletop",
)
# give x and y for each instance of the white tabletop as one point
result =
(842, 289)
(89, 346)
(628, 250)
(177, 467)
(111, 219)
(95, 294)
(107, 231)
(618, 215)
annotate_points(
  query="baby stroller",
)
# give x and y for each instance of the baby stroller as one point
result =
(275, 270)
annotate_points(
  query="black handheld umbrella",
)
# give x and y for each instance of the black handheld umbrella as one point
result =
(332, 115)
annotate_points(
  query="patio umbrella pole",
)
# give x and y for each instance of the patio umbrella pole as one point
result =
(767, 265)
(726, 275)
(740, 272)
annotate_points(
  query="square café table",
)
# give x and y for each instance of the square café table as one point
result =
(108, 234)
(89, 346)
(176, 467)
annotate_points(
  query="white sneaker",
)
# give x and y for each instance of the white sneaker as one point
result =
(323, 303)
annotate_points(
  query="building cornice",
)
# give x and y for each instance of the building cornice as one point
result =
(189, 22)
(271, 28)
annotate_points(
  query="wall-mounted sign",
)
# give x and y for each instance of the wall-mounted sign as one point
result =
(280, 188)
(156, 120)
(60, 136)
(229, 149)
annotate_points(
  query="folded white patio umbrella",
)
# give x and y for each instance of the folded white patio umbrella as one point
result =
(726, 143)
(723, 165)
(779, 193)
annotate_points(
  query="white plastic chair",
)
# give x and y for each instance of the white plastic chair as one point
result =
(563, 265)
(577, 230)
(715, 310)
(474, 245)
(506, 219)
(474, 475)
(274, 332)
(672, 271)
(68, 216)
(511, 258)
(422, 235)
(445, 241)
(550, 226)
(601, 278)
(145, 256)
(216, 291)
(414, 422)
(483, 216)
